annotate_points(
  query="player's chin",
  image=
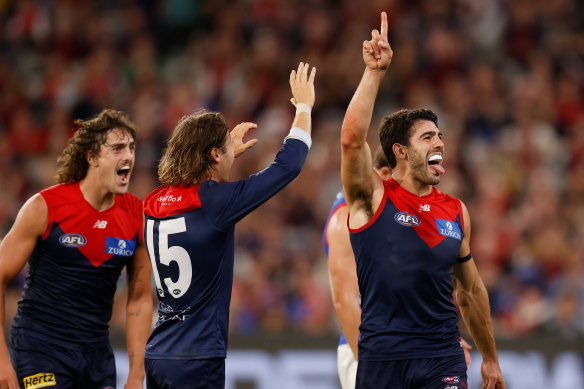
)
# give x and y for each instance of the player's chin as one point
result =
(121, 189)
(434, 178)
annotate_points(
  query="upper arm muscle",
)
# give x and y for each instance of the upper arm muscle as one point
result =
(20, 241)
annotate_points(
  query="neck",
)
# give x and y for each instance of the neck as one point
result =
(97, 196)
(410, 183)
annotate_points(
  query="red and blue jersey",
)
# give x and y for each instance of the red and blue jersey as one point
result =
(339, 203)
(405, 257)
(190, 238)
(75, 266)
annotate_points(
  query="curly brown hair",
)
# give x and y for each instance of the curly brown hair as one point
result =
(187, 158)
(87, 142)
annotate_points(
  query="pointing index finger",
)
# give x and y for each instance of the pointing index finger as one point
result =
(384, 26)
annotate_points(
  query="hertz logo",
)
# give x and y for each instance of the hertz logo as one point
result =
(39, 381)
(72, 240)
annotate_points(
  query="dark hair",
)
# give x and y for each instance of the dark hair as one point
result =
(396, 127)
(187, 158)
(87, 141)
(379, 159)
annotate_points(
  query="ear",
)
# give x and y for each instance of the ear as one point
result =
(400, 151)
(91, 159)
(385, 172)
(215, 154)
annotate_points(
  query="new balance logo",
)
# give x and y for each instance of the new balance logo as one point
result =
(424, 208)
(39, 381)
(100, 224)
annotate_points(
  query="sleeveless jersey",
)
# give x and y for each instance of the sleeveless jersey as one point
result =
(74, 268)
(405, 256)
(190, 238)
(339, 202)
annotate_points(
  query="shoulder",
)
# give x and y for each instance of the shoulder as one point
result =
(130, 202)
(60, 193)
(339, 216)
(36, 205)
(33, 215)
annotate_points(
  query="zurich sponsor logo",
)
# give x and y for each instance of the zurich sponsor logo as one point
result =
(405, 219)
(453, 379)
(72, 240)
(449, 229)
(123, 247)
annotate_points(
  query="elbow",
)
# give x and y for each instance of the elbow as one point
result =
(341, 303)
(347, 138)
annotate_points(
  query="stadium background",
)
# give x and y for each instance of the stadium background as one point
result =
(505, 77)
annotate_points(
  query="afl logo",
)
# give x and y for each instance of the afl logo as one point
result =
(451, 379)
(72, 240)
(405, 219)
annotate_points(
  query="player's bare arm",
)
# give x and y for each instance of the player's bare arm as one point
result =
(362, 186)
(138, 315)
(343, 274)
(15, 250)
(473, 301)
(303, 96)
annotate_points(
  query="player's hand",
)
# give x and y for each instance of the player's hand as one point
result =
(377, 53)
(237, 134)
(302, 85)
(466, 347)
(8, 379)
(492, 377)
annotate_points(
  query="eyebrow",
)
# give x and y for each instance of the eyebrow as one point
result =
(430, 132)
(120, 143)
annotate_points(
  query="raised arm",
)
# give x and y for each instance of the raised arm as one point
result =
(359, 179)
(15, 250)
(138, 315)
(343, 274)
(229, 202)
(473, 301)
(302, 85)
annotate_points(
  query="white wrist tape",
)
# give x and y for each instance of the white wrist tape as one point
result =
(300, 134)
(302, 107)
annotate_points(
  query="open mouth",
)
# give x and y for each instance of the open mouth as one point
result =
(435, 163)
(123, 173)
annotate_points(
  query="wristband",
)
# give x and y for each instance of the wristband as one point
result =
(301, 135)
(302, 107)
(464, 259)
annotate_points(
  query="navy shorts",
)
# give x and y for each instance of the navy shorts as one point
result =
(185, 373)
(426, 373)
(42, 364)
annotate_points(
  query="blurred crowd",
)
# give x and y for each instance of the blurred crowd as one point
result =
(505, 77)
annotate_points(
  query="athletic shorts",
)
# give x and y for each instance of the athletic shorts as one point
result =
(185, 373)
(347, 366)
(41, 364)
(427, 373)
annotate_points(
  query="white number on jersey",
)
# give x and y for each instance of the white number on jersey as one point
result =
(170, 254)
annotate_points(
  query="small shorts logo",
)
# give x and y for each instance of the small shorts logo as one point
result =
(453, 379)
(39, 380)
(72, 240)
(405, 219)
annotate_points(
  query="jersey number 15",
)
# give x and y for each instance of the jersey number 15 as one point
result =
(169, 254)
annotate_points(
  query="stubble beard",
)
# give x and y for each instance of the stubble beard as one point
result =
(419, 168)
